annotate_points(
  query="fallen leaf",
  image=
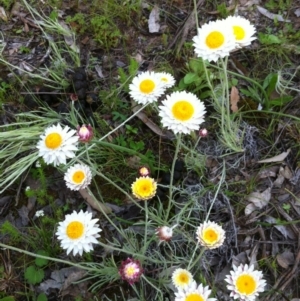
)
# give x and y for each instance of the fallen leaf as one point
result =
(270, 15)
(90, 198)
(285, 259)
(280, 178)
(297, 12)
(153, 21)
(283, 229)
(3, 14)
(257, 200)
(234, 99)
(277, 158)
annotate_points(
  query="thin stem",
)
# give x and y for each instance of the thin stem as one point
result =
(196, 15)
(172, 176)
(217, 192)
(190, 266)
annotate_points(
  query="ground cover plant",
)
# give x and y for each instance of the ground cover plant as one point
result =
(149, 151)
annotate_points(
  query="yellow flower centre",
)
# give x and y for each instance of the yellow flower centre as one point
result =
(183, 110)
(246, 284)
(130, 271)
(214, 40)
(210, 236)
(239, 32)
(78, 176)
(183, 278)
(75, 230)
(194, 297)
(53, 140)
(144, 187)
(147, 86)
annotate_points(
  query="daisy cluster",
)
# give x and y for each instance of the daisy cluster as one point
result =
(181, 112)
(58, 144)
(78, 231)
(244, 282)
(187, 287)
(216, 39)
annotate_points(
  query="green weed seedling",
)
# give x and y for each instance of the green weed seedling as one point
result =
(34, 274)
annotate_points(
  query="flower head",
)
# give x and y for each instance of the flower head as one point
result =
(131, 270)
(85, 133)
(214, 40)
(144, 188)
(78, 232)
(165, 233)
(194, 293)
(144, 171)
(78, 177)
(167, 79)
(242, 29)
(146, 88)
(210, 235)
(182, 112)
(182, 278)
(245, 283)
(57, 144)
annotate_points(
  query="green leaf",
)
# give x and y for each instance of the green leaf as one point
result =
(8, 298)
(40, 262)
(268, 39)
(33, 275)
(42, 297)
(190, 78)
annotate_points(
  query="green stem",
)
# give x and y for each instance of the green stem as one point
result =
(172, 176)
(218, 189)
(196, 15)
(190, 266)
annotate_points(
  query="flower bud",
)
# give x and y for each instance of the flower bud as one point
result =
(203, 133)
(85, 133)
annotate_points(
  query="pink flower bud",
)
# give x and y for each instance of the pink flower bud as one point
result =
(144, 171)
(130, 270)
(73, 97)
(85, 133)
(203, 133)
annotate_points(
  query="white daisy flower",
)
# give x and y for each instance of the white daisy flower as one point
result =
(57, 144)
(182, 278)
(210, 235)
(214, 40)
(194, 293)
(167, 79)
(146, 88)
(78, 232)
(242, 30)
(182, 112)
(78, 177)
(245, 283)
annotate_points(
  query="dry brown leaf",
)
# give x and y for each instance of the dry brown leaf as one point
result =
(257, 200)
(153, 22)
(283, 229)
(285, 259)
(3, 14)
(94, 202)
(234, 99)
(270, 15)
(277, 158)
